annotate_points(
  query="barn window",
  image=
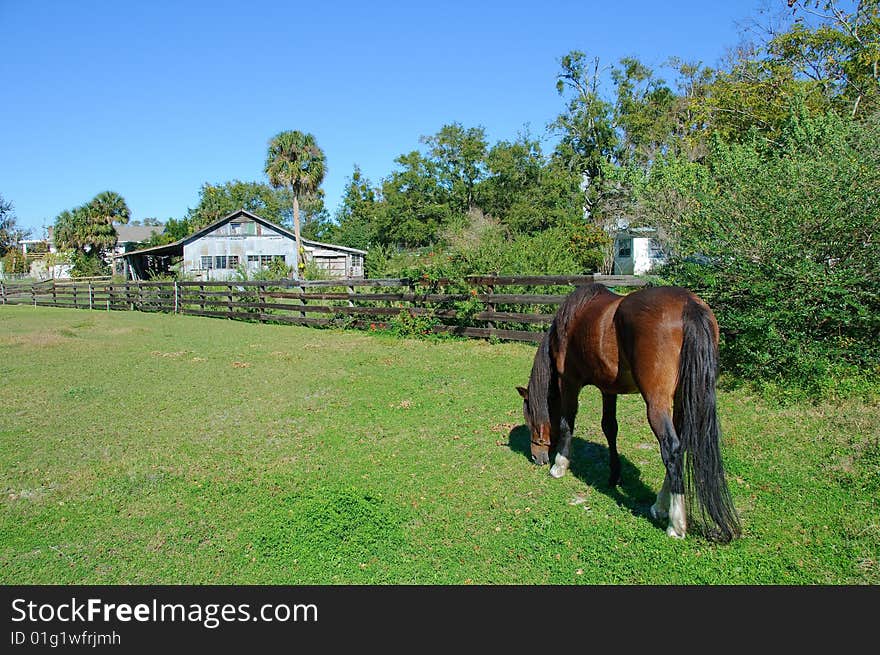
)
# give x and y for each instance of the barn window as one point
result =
(624, 248)
(207, 262)
(264, 260)
(233, 261)
(219, 261)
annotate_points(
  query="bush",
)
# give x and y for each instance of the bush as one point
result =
(778, 239)
(88, 265)
(14, 261)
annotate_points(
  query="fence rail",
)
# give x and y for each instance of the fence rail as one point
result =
(516, 308)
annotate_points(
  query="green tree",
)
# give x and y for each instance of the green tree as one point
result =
(459, 158)
(556, 199)
(513, 170)
(644, 112)
(10, 232)
(109, 207)
(295, 162)
(415, 207)
(356, 216)
(315, 222)
(219, 200)
(14, 261)
(89, 231)
(586, 126)
(837, 48)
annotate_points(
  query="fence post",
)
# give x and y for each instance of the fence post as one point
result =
(34, 294)
(75, 304)
(3, 291)
(302, 301)
(490, 306)
(350, 289)
(261, 301)
(176, 298)
(91, 296)
(54, 296)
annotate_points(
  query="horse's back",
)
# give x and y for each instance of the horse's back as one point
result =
(650, 331)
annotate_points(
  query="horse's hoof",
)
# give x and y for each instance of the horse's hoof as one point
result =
(541, 459)
(671, 532)
(560, 466)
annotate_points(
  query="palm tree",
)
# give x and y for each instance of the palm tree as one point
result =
(110, 207)
(295, 162)
(89, 228)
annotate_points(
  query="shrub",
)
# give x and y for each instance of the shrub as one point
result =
(779, 239)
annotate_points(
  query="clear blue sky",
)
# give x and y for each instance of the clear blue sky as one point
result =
(153, 99)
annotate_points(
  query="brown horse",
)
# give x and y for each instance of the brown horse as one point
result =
(661, 342)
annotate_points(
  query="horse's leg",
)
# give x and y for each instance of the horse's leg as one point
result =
(660, 419)
(609, 427)
(568, 411)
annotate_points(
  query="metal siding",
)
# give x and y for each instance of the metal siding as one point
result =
(213, 244)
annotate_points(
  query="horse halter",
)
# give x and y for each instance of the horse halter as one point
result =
(543, 437)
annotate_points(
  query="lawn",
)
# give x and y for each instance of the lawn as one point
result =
(150, 448)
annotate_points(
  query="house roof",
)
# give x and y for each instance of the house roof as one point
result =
(135, 233)
(124, 233)
(176, 248)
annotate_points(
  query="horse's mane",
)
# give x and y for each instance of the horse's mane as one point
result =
(572, 305)
(542, 381)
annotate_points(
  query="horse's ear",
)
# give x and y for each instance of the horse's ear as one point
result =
(523, 392)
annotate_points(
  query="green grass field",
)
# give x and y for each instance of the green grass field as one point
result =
(146, 448)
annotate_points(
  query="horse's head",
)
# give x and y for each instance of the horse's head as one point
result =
(540, 431)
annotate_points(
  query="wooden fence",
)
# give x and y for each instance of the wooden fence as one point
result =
(517, 308)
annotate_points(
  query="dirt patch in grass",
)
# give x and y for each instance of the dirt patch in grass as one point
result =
(36, 340)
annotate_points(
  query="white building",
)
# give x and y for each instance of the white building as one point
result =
(637, 251)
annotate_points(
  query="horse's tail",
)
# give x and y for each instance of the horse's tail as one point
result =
(699, 430)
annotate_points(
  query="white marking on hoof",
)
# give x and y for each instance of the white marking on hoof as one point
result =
(670, 532)
(560, 466)
(677, 521)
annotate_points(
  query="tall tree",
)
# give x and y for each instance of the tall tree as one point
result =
(110, 207)
(295, 162)
(586, 127)
(835, 45)
(89, 232)
(460, 158)
(356, 216)
(415, 206)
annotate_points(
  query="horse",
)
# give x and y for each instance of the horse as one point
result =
(660, 342)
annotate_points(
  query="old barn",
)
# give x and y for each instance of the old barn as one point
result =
(241, 241)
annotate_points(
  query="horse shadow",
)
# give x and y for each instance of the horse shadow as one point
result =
(589, 464)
